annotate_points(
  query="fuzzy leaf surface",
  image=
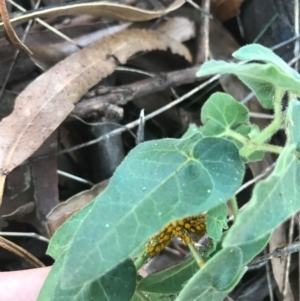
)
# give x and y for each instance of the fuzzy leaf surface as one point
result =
(158, 182)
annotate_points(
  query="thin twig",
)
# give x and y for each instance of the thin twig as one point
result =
(136, 70)
(206, 31)
(123, 94)
(258, 177)
(25, 234)
(12, 65)
(101, 123)
(288, 261)
(249, 183)
(43, 23)
(19, 251)
(10, 32)
(203, 10)
(285, 42)
(268, 272)
(261, 115)
(131, 124)
(277, 253)
(202, 54)
(75, 178)
(140, 136)
(263, 31)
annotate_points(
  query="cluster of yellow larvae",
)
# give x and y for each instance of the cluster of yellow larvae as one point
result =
(184, 228)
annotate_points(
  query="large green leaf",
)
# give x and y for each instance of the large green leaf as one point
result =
(276, 198)
(262, 79)
(117, 285)
(60, 242)
(158, 182)
(216, 278)
(170, 280)
(250, 250)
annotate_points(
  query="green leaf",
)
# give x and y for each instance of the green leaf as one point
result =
(250, 250)
(117, 285)
(216, 278)
(276, 198)
(254, 131)
(158, 182)
(258, 52)
(222, 112)
(262, 79)
(60, 242)
(170, 280)
(193, 132)
(216, 221)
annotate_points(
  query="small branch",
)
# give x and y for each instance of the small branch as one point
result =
(269, 272)
(25, 234)
(10, 32)
(123, 94)
(128, 125)
(203, 36)
(288, 261)
(278, 253)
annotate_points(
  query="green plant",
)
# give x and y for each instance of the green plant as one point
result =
(167, 180)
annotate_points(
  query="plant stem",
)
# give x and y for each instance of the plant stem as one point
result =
(251, 148)
(140, 261)
(234, 206)
(141, 296)
(275, 125)
(237, 136)
(269, 148)
(196, 255)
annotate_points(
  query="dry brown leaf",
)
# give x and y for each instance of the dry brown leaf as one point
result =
(60, 213)
(48, 49)
(100, 9)
(226, 9)
(178, 28)
(48, 100)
